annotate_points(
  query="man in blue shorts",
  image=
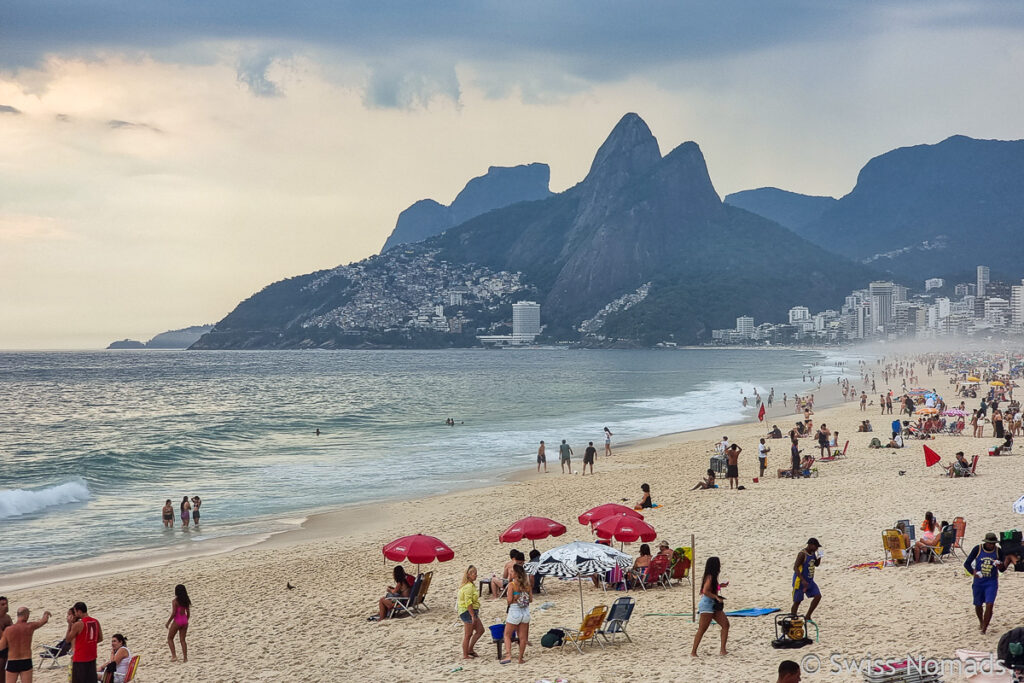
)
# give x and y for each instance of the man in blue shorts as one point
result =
(985, 563)
(803, 577)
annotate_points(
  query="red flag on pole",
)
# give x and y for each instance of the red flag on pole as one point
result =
(760, 414)
(930, 457)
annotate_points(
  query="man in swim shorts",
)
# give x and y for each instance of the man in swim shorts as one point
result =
(17, 641)
(588, 458)
(564, 454)
(803, 577)
(542, 458)
(732, 471)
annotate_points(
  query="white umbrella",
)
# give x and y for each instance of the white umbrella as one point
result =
(579, 559)
(1018, 507)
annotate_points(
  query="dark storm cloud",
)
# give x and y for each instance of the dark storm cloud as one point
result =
(412, 48)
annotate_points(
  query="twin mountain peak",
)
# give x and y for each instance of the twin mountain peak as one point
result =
(638, 222)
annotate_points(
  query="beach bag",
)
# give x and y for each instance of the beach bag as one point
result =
(552, 638)
(875, 443)
(1011, 649)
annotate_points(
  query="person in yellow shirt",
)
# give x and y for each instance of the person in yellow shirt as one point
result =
(468, 606)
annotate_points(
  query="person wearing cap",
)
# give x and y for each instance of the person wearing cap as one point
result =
(803, 577)
(985, 562)
(663, 549)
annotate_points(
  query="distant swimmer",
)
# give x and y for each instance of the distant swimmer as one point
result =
(186, 511)
(196, 502)
(16, 643)
(318, 431)
(168, 514)
(607, 441)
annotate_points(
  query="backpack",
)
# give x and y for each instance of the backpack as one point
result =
(1011, 649)
(875, 443)
(552, 638)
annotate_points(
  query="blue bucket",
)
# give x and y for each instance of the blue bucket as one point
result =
(497, 631)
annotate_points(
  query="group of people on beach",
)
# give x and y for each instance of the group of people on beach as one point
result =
(81, 640)
(565, 454)
(189, 512)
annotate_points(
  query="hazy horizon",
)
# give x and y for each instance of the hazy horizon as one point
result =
(161, 165)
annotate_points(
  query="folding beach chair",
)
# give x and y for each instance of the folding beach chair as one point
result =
(895, 548)
(129, 674)
(617, 619)
(420, 598)
(681, 564)
(944, 548)
(405, 604)
(974, 465)
(54, 653)
(657, 573)
(587, 632)
(908, 526)
(961, 528)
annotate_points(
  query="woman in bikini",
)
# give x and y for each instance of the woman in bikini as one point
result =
(186, 511)
(177, 623)
(168, 514)
(518, 618)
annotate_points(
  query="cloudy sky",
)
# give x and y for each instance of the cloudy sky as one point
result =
(161, 161)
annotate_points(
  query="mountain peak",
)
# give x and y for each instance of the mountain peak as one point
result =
(629, 150)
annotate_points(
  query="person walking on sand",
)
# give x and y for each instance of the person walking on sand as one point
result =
(517, 620)
(186, 511)
(468, 607)
(542, 458)
(168, 514)
(985, 563)
(711, 605)
(588, 458)
(565, 455)
(732, 471)
(762, 456)
(16, 643)
(803, 577)
(196, 502)
(607, 442)
(177, 623)
(84, 633)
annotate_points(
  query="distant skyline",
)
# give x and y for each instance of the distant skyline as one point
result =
(160, 163)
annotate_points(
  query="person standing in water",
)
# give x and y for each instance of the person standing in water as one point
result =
(177, 623)
(196, 502)
(186, 511)
(607, 441)
(168, 514)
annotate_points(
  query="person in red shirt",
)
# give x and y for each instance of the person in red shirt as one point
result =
(85, 633)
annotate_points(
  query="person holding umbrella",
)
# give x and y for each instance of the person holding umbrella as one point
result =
(469, 613)
(518, 618)
(985, 563)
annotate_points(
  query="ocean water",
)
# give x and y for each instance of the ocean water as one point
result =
(92, 443)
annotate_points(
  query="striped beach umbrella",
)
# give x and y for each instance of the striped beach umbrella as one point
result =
(578, 559)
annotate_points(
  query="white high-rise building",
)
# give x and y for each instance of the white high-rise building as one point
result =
(1017, 307)
(799, 314)
(881, 303)
(745, 326)
(982, 280)
(525, 321)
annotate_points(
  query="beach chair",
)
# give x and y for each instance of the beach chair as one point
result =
(617, 620)
(587, 632)
(944, 548)
(974, 465)
(681, 565)
(405, 604)
(895, 547)
(54, 653)
(129, 674)
(657, 572)
(908, 526)
(961, 528)
(421, 596)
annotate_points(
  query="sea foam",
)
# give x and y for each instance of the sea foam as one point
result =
(18, 502)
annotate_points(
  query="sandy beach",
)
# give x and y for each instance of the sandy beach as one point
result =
(247, 626)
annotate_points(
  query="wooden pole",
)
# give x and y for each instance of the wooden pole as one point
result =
(693, 579)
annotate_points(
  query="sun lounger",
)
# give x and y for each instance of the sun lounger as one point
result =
(618, 619)
(54, 653)
(587, 632)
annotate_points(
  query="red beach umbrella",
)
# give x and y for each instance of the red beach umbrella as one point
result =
(607, 510)
(418, 549)
(532, 528)
(624, 529)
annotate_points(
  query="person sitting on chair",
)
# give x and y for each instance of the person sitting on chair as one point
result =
(960, 466)
(403, 584)
(1005, 446)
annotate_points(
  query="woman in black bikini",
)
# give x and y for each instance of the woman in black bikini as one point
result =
(168, 515)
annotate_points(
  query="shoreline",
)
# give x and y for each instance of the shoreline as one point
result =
(327, 524)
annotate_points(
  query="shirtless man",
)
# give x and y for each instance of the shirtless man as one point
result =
(5, 621)
(542, 458)
(732, 471)
(498, 583)
(17, 640)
